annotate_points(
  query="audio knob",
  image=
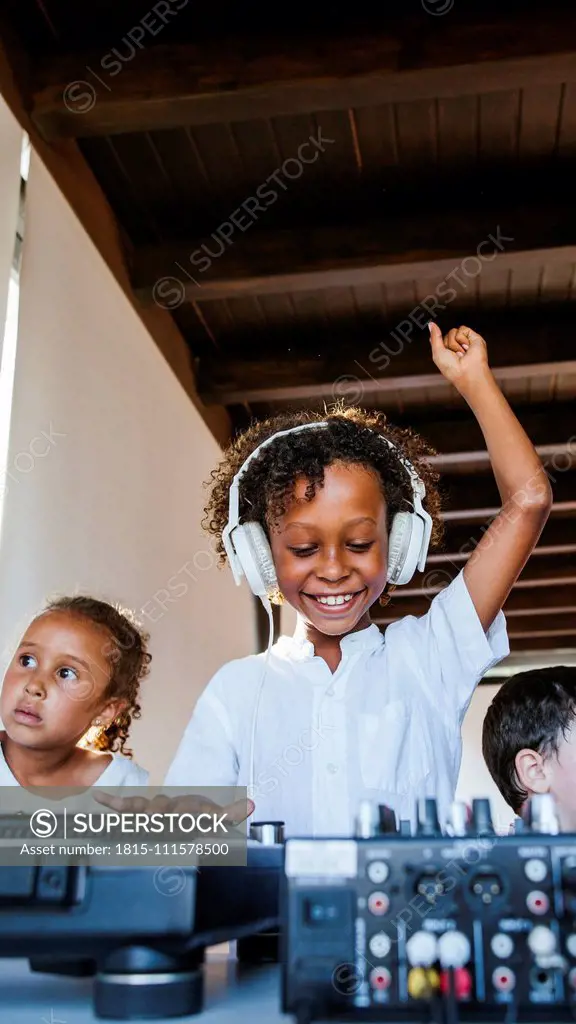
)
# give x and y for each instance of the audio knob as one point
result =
(458, 820)
(387, 819)
(269, 833)
(366, 820)
(427, 817)
(540, 814)
(481, 817)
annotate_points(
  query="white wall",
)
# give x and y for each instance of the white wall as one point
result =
(112, 503)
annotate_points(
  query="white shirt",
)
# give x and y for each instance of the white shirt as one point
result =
(384, 727)
(120, 771)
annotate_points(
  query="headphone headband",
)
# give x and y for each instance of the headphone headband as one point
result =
(234, 500)
(418, 488)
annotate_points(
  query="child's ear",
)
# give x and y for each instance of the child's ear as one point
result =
(532, 771)
(111, 710)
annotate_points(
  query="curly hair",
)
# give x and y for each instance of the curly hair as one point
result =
(533, 710)
(127, 655)
(351, 437)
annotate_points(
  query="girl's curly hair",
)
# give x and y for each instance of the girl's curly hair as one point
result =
(351, 437)
(128, 656)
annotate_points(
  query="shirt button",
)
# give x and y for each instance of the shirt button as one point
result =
(330, 692)
(332, 768)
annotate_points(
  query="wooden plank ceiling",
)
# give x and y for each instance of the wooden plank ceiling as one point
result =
(302, 199)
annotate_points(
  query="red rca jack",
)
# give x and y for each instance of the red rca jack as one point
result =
(380, 979)
(378, 903)
(503, 979)
(462, 983)
(537, 902)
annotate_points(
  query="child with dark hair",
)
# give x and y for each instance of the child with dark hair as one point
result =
(343, 713)
(529, 739)
(69, 696)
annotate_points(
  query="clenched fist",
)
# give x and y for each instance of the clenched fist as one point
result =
(461, 356)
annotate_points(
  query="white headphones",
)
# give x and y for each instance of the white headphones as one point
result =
(249, 552)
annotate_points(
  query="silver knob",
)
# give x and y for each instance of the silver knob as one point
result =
(541, 814)
(427, 817)
(269, 833)
(457, 822)
(367, 820)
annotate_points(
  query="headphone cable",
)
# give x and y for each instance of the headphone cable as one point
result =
(268, 607)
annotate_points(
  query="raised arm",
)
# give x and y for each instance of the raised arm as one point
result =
(525, 491)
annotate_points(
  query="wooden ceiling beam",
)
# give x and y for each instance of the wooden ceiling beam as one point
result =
(232, 382)
(455, 432)
(538, 573)
(545, 641)
(479, 461)
(557, 538)
(239, 260)
(397, 360)
(151, 85)
(521, 604)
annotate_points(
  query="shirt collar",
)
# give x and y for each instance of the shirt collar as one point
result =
(299, 647)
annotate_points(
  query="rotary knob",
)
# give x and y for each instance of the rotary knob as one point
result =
(366, 820)
(268, 833)
(540, 814)
(458, 820)
(481, 817)
(427, 817)
(387, 819)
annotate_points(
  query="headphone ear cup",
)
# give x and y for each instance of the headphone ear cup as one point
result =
(404, 546)
(255, 557)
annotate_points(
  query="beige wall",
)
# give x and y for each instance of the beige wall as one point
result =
(107, 456)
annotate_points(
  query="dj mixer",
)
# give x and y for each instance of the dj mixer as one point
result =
(441, 923)
(451, 923)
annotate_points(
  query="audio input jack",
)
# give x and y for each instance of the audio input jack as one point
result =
(423, 983)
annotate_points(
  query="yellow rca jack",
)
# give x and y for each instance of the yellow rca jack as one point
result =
(423, 983)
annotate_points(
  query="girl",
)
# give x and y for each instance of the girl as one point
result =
(344, 713)
(69, 696)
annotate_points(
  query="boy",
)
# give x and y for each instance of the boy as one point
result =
(529, 739)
